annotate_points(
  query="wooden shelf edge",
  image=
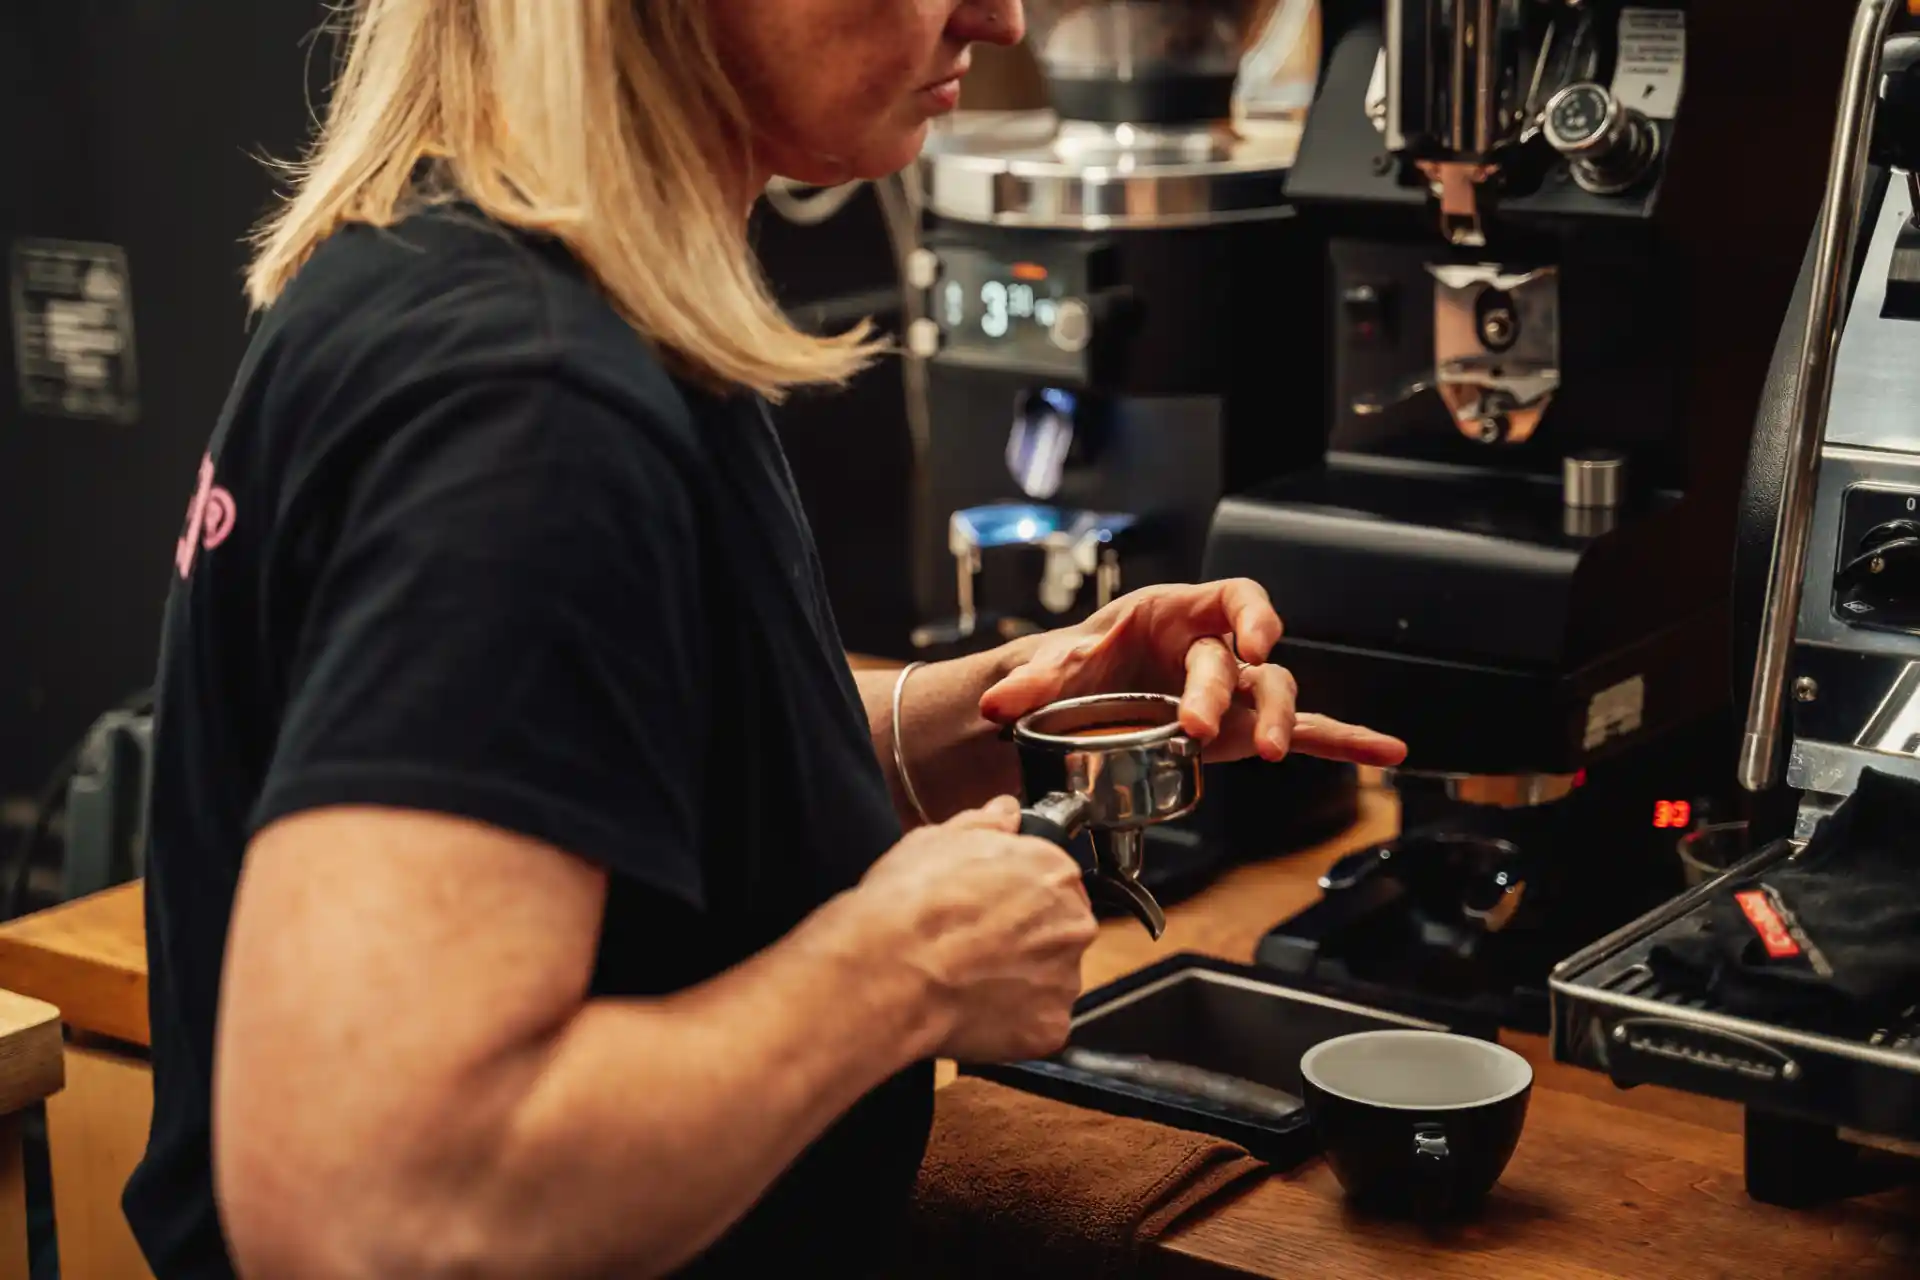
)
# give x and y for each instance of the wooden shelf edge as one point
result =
(32, 1052)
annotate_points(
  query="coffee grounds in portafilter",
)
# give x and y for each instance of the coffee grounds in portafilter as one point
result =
(1827, 941)
(1111, 730)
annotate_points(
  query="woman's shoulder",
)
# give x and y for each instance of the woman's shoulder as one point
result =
(445, 279)
(446, 297)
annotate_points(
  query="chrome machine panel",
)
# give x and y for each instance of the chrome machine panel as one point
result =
(1872, 442)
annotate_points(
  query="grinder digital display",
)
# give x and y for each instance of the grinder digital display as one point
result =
(1018, 314)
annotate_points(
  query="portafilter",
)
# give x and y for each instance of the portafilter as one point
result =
(1110, 765)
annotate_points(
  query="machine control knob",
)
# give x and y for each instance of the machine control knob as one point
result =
(1881, 585)
(1608, 145)
(1593, 479)
(923, 269)
(923, 338)
(1892, 531)
(1072, 327)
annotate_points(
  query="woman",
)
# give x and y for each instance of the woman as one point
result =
(528, 894)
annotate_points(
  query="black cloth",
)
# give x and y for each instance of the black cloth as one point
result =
(461, 544)
(1828, 940)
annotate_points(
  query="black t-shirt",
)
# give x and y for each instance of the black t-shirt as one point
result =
(461, 544)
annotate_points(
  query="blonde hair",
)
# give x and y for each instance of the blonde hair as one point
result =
(595, 122)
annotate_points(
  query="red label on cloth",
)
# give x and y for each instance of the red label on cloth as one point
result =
(1767, 923)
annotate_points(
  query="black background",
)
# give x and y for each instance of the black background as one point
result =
(140, 125)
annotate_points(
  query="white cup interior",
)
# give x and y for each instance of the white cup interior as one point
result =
(1416, 1070)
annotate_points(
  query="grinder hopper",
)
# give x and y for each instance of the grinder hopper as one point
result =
(1111, 765)
(1160, 61)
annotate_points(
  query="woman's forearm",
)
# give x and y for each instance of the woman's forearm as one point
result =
(957, 759)
(680, 1113)
(631, 1137)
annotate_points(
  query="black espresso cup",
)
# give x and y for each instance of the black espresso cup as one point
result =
(1418, 1122)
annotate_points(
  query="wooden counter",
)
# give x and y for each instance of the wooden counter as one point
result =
(89, 960)
(1644, 1184)
(1641, 1185)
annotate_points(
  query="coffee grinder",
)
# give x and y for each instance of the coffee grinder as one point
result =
(1559, 240)
(1121, 322)
(1102, 280)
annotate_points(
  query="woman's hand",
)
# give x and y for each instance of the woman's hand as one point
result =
(1190, 640)
(994, 922)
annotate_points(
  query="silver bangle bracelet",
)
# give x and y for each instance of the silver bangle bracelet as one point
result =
(899, 752)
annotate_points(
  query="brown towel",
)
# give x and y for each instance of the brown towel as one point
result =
(1019, 1185)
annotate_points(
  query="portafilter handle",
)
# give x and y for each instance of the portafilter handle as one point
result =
(1060, 816)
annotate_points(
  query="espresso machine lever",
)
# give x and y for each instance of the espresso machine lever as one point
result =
(1372, 404)
(1834, 247)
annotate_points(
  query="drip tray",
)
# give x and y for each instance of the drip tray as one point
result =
(1194, 1011)
(1610, 1014)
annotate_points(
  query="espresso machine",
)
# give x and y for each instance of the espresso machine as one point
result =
(1826, 630)
(1560, 234)
(1102, 282)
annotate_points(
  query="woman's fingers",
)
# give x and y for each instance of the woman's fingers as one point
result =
(1263, 721)
(1331, 739)
(1066, 664)
(1273, 692)
(1213, 677)
(1044, 677)
(1002, 813)
(1237, 608)
(1236, 708)
(1256, 626)
(1260, 723)
(1216, 681)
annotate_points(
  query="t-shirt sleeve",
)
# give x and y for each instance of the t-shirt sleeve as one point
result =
(506, 624)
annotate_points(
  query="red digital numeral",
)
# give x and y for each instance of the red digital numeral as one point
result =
(1672, 814)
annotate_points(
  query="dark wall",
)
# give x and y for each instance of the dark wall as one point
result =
(132, 126)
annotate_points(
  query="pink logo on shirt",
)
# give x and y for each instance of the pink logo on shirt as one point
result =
(209, 519)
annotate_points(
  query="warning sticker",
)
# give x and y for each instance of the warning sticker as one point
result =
(1767, 923)
(1651, 70)
(1615, 712)
(73, 330)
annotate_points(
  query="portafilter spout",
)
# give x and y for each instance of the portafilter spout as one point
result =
(1111, 765)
